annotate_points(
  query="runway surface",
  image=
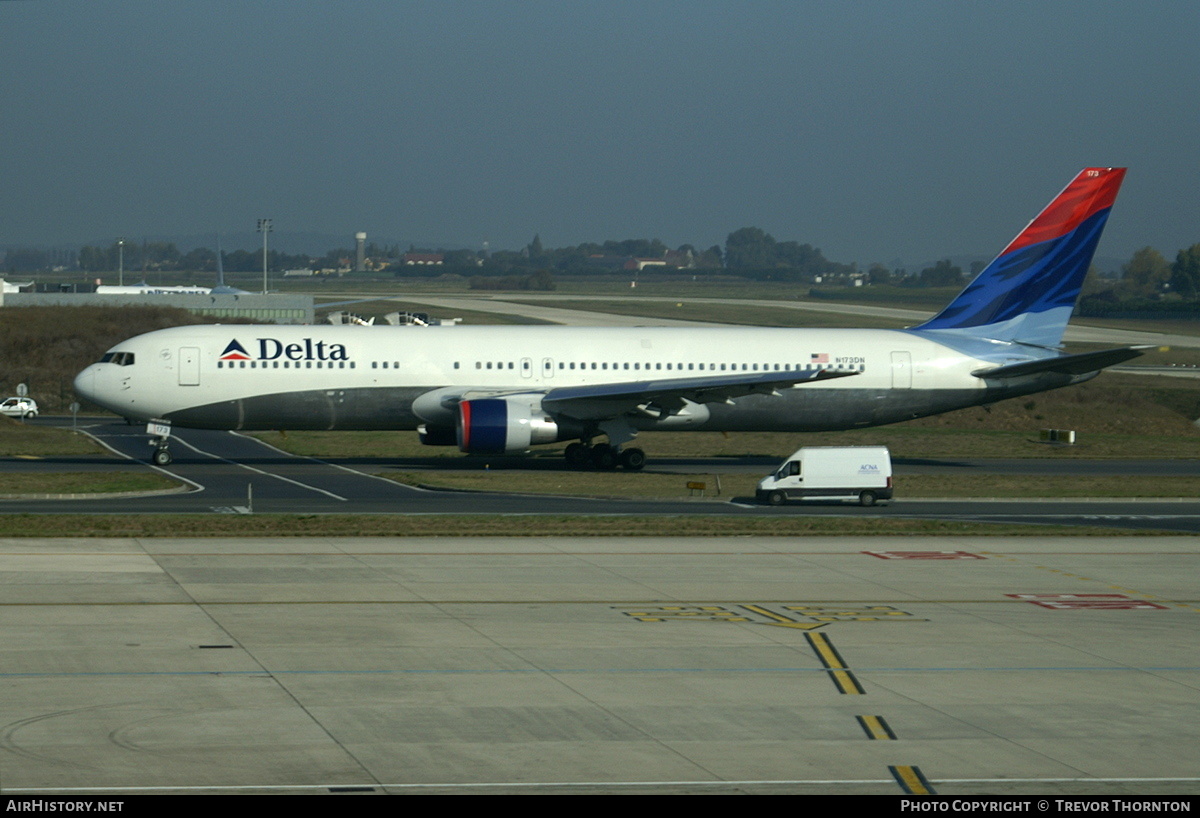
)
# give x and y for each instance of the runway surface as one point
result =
(669, 665)
(544, 310)
(231, 473)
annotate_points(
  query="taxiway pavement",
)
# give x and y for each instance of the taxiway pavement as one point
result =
(1008, 666)
(231, 473)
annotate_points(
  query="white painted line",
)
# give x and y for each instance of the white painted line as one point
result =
(260, 471)
(346, 469)
(159, 469)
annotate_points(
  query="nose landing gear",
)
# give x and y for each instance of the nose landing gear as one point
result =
(160, 437)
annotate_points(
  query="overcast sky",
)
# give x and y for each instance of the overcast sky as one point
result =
(876, 131)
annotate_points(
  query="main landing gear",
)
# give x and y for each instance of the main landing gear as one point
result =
(604, 456)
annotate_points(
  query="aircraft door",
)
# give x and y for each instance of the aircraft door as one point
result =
(189, 366)
(901, 370)
(526, 367)
(547, 367)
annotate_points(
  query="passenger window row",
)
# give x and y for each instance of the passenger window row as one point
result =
(285, 365)
(679, 367)
(126, 359)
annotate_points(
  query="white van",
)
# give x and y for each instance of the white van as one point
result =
(859, 473)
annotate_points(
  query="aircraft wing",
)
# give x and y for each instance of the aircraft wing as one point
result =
(1079, 364)
(662, 397)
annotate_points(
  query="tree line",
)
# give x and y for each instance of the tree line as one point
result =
(1148, 286)
(748, 252)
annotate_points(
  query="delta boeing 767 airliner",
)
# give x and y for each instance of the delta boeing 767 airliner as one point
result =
(504, 389)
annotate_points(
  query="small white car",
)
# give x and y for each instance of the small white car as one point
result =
(19, 408)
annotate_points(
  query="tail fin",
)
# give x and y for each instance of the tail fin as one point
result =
(1028, 292)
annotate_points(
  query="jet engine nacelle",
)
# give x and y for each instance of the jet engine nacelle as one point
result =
(503, 425)
(431, 435)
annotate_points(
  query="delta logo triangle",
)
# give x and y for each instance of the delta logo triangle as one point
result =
(234, 352)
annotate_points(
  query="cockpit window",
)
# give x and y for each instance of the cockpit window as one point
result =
(118, 358)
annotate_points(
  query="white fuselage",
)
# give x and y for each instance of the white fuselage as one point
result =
(352, 377)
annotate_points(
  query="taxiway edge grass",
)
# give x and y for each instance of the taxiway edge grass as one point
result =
(515, 525)
(17, 485)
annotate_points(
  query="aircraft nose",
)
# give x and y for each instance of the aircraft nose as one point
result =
(85, 383)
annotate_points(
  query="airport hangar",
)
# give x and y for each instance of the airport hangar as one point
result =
(277, 308)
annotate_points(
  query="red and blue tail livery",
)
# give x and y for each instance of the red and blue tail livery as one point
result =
(1027, 293)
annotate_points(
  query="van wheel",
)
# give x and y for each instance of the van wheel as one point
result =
(867, 498)
(776, 498)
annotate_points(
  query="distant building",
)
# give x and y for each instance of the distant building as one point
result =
(16, 286)
(423, 258)
(640, 264)
(277, 308)
(149, 289)
(672, 260)
(607, 262)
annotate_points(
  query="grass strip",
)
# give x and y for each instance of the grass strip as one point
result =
(90, 482)
(27, 439)
(646, 485)
(390, 525)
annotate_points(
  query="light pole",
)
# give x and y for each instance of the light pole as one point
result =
(121, 260)
(264, 227)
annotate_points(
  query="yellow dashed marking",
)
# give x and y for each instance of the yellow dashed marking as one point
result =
(839, 674)
(825, 650)
(876, 728)
(846, 683)
(911, 780)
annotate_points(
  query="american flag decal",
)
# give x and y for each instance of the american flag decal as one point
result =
(820, 359)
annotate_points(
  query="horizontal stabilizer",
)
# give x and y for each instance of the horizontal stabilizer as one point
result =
(1079, 364)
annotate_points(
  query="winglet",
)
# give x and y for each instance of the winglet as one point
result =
(1028, 292)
